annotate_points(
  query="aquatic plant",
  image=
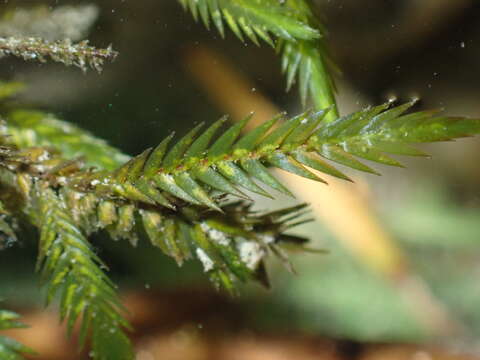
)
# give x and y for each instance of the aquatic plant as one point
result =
(189, 197)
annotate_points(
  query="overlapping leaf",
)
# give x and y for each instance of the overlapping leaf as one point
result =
(70, 268)
(73, 272)
(170, 217)
(307, 62)
(9, 348)
(299, 36)
(175, 195)
(34, 128)
(231, 245)
(251, 18)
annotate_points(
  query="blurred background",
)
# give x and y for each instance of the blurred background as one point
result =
(401, 279)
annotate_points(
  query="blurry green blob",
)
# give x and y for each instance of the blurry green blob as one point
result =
(336, 296)
(442, 240)
(9, 348)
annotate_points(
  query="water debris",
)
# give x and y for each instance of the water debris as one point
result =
(251, 253)
(79, 54)
(205, 260)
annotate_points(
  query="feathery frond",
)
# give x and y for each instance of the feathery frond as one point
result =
(177, 192)
(73, 272)
(252, 18)
(178, 195)
(175, 195)
(296, 33)
(43, 34)
(64, 51)
(36, 129)
(308, 61)
(47, 189)
(195, 165)
(35, 179)
(188, 198)
(231, 245)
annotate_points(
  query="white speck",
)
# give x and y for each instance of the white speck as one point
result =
(304, 121)
(205, 259)
(267, 239)
(215, 235)
(462, 44)
(250, 253)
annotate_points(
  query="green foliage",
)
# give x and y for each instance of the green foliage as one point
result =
(72, 271)
(69, 267)
(307, 59)
(34, 128)
(180, 196)
(291, 27)
(61, 198)
(9, 348)
(195, 164)
(252, 17)
(188, 198)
